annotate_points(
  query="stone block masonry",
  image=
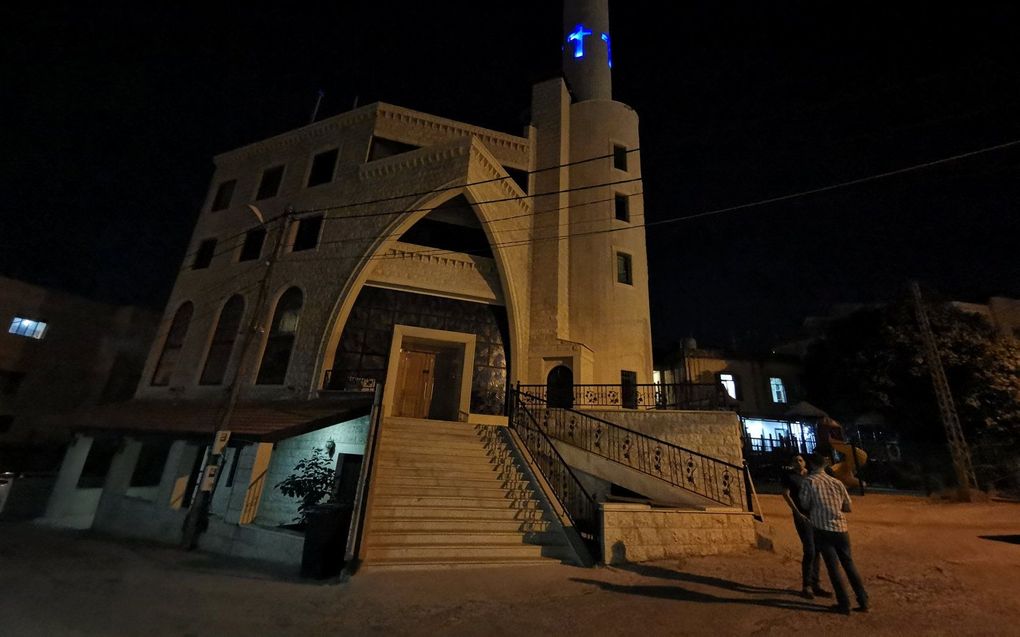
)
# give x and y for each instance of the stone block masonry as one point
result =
(641, 533)
(713, 433)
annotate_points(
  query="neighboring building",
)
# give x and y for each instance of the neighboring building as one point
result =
(764, 390)
(448, 263)
(1002, 312)
(60, 352)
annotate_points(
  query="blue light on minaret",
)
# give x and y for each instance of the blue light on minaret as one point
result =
(609, 49)
(578, 36)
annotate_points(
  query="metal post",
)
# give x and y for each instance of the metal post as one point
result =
(197, 519)
(958, 448)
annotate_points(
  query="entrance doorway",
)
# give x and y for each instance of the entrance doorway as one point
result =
(415, 383)
(429, 378)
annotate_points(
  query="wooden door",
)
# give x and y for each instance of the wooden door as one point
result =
(416, 380)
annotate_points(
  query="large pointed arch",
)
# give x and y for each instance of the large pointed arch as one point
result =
(508, 240)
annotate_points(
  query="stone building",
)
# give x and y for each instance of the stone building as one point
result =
(59, 353)
(441, 261)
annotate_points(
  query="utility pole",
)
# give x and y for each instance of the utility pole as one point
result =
(197, 519)
(965, 477)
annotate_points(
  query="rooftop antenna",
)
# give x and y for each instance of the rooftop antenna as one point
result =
(318, 102)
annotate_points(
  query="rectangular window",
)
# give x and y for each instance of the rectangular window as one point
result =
(620, 157)
(382, 148)
(624, 269)
(307, 235)
(729, 383)
(323, 166)
(27, 327)
(269, 186)
(151, 460)
(623, 207)
(252, 248)
(778, 390)
(628, 389)
(224, 193)
(204, 254)
(97, 463)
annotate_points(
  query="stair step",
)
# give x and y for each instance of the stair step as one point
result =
(444, 552)
(457, 537)
(485, 481)
(455, 462)
(390, 512)
(432, 452)
(501, 502)
(449, 473)
(426, 563)
(460, 525)
(494, 491)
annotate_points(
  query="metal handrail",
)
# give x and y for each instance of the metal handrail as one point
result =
(713, 478)
(578, 505)
(679, 396)
(356, 532)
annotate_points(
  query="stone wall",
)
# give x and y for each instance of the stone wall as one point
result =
(275, 508)
(713, 433)
(640, 533)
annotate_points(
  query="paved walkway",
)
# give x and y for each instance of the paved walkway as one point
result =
(927, 567)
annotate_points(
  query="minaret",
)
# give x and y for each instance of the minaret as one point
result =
(587, 48)
(590, 267)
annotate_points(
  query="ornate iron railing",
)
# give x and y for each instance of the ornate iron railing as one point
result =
(712, 478)
(575, 500)
(681, 396)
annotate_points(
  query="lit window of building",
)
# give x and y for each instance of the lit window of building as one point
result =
(778, 390)
(729, 382)
(27, 327)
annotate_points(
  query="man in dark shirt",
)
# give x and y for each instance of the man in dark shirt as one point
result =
(809, 563)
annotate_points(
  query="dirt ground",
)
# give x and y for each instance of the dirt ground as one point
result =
(927, 567)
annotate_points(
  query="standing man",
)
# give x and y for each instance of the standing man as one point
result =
(826, 500)
(793, 477)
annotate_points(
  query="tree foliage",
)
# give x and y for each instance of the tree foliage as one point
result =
(873, 360)
(311, 481)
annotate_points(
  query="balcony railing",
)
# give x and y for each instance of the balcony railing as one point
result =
(682, 396)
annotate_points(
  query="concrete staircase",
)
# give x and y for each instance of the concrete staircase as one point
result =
(447, 493)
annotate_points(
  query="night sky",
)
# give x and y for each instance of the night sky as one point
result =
(112, 115)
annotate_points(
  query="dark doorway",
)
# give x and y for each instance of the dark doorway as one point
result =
(559, 387)
(628, 387)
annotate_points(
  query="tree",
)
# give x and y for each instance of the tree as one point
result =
(312, 480)
(873, 360)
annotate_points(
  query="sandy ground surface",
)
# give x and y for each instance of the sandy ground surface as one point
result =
(926, 566)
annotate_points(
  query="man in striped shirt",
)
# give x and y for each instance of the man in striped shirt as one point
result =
(826, 500)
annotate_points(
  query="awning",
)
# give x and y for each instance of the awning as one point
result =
(264, 421)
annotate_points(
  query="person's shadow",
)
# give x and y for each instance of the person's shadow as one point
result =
(619, 555)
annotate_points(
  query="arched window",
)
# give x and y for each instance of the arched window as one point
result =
(559, 387)
(280, 341)
(223, 341)
(172, 346)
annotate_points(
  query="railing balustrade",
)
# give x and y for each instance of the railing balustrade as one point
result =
(712, 478)
(578, 504)
(680, 396)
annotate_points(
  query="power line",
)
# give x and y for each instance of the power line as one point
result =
(422, 193)
(661, 222)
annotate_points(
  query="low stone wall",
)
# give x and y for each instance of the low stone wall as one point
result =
(130, 517)
(640, 533)
(713, 433)
(254, 542)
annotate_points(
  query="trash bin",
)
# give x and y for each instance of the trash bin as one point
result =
(325, 540)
